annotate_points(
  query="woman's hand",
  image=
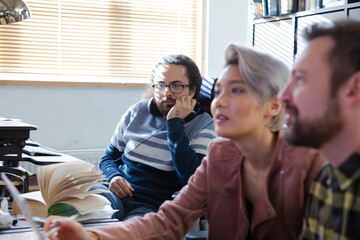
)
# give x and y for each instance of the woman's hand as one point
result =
(68, 229)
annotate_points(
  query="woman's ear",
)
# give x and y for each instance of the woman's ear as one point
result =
(273, 107)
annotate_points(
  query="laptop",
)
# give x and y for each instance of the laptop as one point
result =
(23, 207)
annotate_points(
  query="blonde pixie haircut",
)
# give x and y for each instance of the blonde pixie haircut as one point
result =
(264, 76)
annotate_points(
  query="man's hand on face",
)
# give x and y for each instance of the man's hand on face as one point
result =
(120, 187)
(182, 108)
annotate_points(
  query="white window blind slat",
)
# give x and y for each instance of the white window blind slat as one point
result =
(119, 39)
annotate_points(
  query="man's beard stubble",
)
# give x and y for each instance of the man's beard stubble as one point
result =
(159, 104)
(316, 132)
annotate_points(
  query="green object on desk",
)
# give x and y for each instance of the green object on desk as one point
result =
(62, 209)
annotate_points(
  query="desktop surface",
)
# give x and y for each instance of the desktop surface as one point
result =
(10, 125)
(22, 231)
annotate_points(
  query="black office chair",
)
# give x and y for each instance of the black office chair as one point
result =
(206, 94)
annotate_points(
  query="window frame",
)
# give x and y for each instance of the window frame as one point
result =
(41, 80)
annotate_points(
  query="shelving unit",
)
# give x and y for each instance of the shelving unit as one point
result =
(281, 35)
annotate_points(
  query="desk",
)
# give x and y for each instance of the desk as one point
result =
(45, 160)
(19, 236)
(27, 234)
(15, 146)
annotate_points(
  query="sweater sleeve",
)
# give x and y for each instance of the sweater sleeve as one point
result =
(185, 159)
(173, 219)
(110, 162)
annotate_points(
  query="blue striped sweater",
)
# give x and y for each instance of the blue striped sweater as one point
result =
(156, 156)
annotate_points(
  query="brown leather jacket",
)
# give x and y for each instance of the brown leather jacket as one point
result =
(216, 188)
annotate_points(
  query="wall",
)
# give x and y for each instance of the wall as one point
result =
(85, 118)
(68, 118)
(227, 23)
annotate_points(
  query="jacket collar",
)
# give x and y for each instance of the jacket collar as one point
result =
(263, 209)
(349, 171)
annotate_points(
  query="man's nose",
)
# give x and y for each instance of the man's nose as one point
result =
(285, 93)
(168, 91)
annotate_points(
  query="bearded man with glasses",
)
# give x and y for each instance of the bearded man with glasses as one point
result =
(158, 143)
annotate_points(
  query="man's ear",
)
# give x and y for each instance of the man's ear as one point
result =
(274, 106)
(352, 90)
(192, 91)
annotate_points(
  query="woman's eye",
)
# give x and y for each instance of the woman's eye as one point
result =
(299, 78)
(237, 90)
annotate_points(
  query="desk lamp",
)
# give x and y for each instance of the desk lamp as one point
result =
(12, 11)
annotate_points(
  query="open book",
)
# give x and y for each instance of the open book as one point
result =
(64, 190)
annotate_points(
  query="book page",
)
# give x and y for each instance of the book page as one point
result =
(90, 203)
(78, 191)
(35, 202)
(104, 213)
(43, 175)
(50, 175)
(63, 169)
(33, 196)
(41, 180)
(74, 179)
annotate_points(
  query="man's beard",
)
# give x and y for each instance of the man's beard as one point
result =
(316, 132)
(164, 108)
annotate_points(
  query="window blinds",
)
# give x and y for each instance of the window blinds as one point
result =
(107, 40)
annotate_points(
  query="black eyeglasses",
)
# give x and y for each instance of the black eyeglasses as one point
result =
(174, 88)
